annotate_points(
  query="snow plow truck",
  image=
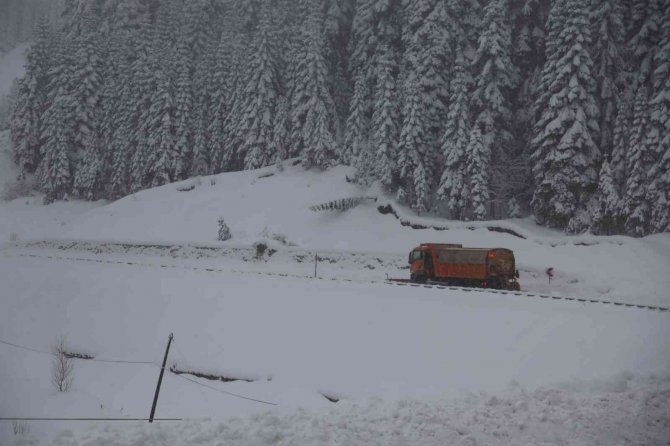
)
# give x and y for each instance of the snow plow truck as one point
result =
(452, 264)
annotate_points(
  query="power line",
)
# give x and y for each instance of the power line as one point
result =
(22, 347)
(119, 361)
(116, 361)
(179, 375)
(26, 348)
(224, 392)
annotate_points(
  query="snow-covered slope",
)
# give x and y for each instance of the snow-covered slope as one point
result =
(266, 205)
(401, 358)
(300, 340)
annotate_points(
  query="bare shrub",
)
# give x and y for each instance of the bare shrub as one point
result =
(13, 237)
(62, 366)
(20, 427)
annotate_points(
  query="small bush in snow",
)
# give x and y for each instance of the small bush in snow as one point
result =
(22, 187)
(224, 231)
(13, 237)
(261, 247)
(342, 204)
(195, 182)
(62, 366)
(212, 182)
(186, 187)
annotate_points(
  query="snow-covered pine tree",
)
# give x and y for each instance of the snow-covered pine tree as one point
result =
(227, 80)
(659, 104)
(608, 43)
(453, 187)
(606, 217)
(478, 158)
(184, 116)
(338, 17)
(357, 125)
(56, 167)
(635, 205)
(31, 101)
(565, 153)
(198, 29)
(495, 78)
(119, 95)
(414, 176)
(385, 118)
(465, 24)
(86, 81)
(621, 138)
(143, 84)
(528, 44)
(224, 230)
(362, 40)
(201, 84)
(89, 175)
(161, 142)
(258, 98)
(645, 27)
(528, 17)
(427, 54)
(659, 194)
(314, 120)
(54, 171)
(279, 143)
(374, 42)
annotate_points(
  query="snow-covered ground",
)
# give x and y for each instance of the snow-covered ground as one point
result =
(409, 364)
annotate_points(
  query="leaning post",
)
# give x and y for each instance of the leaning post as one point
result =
(160, 380)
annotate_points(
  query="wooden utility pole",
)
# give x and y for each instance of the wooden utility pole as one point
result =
(316, 260)
(160, 380)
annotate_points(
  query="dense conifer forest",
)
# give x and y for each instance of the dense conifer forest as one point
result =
(467, 109)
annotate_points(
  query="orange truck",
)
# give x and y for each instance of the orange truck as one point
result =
(452, 264)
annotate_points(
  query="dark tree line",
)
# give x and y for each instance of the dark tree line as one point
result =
(470, 109)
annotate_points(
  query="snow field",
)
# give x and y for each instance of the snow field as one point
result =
(543, 417)
(300, 338)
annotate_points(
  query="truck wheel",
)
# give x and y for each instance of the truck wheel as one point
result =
(418, 278)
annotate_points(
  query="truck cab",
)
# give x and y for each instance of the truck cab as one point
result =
(421, 261)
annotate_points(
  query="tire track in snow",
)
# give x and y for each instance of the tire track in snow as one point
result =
(337, 279)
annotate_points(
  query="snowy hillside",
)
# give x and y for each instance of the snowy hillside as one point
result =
(118, 278)
(273, 207)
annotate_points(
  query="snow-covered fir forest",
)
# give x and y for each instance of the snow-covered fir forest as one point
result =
(467, 109)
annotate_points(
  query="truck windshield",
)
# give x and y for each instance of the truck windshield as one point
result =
(416, 255)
